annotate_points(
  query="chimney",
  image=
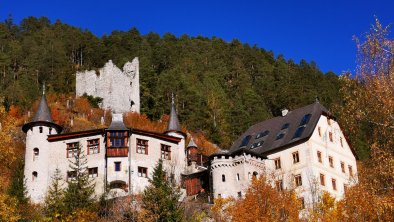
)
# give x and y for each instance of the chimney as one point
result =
(285, 112)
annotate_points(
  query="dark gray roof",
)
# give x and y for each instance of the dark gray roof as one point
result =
(43, 113)
(191, 143)
(270, 130)
(173, 123)
(117, 123)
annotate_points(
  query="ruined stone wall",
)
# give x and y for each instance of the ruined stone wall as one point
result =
(119, 89)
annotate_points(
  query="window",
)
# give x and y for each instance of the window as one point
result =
(165, 152)
(118, 166)
(50, 131)
(331, 161)
(71, 175)
(93, 146)
(223, 178)
(72, 149)
(322, 180)
(40, 128)
(296, 157)
(340, 140)
(280, 136)
(305, 119)
(262, 134)
(142, 146)
(319, 130)
(334, 184)
(330, 135)
(117, 138)
(350, 170)
(302, 203)
(34, 176)
(279, 185)
(319, 157)
(285, 126)
(36, 153)
(329, 121)
(237, 176)
(299, 132)
(245, 141)
(239, 194)
(143, 172)
(219, 195)
(277, 163)
(93, 172)
(255, 174)
(343, 167)
(298, 180)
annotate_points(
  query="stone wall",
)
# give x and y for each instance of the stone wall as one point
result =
(119, 89)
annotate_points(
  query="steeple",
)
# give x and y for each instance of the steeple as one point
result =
(43, 113)
(191, 143)
(42, 116)
(173, 123)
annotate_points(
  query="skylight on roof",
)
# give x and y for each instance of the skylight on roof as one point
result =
(299, 132)
(280, 136)
(255, 145)
(262, 134)
(245, 141)
(305, 119)
(285, 126)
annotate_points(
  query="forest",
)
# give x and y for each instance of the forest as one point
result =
(221, 89)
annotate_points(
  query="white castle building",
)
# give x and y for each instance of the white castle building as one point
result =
(121, 157)
(303, 149)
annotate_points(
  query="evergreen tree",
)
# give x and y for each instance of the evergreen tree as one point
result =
(54, 205)
(80, 189)
(17, 188)
(160, 198)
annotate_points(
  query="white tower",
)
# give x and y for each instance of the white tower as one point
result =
(36, 171)
(174, 129)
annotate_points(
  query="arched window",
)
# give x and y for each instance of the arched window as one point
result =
(223, 178)
(255, 174)
(36, 153)
(40, 129)
(34, 176)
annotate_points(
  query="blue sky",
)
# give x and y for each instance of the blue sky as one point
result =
(311, 30)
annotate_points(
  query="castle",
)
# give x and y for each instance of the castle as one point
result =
(303, 149)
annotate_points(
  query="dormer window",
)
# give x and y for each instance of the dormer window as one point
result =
(117, 139)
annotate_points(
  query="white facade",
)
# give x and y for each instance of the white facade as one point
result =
(53, 154)
(327, 139)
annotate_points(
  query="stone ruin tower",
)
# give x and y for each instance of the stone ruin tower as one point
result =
(120, 89)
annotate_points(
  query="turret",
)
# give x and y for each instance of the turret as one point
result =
(37, 151)
(192, 152)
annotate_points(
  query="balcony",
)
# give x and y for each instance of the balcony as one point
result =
(117, 151)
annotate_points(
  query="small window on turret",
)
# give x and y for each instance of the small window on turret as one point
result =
(36, 152)
(40, 129)
(34, 176)
(50, 131)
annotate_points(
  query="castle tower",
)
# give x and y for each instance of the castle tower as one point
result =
(192, 152)
(37, 154)
(174, 129)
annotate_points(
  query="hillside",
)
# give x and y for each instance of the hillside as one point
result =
(221, 87)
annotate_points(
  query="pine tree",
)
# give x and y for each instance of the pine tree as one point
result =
(79, 193)
(17, 188)
(54, 205)
(160, 198)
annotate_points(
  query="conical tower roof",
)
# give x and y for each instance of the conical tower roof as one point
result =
(173, 123)
(43, 113)
(42, 117)
(191, 143)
